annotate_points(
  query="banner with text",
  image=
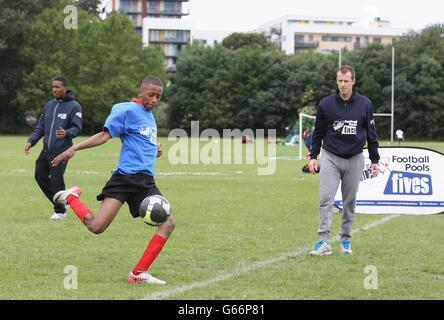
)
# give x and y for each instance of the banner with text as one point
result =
(411, 181)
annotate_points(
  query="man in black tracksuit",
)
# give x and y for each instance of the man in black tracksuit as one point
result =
(344, 124)
(60, 122)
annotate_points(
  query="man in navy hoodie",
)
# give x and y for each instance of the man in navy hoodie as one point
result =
(60, 122)
(344, 124)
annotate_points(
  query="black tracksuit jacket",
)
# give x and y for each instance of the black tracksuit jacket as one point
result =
(344, 127)
(65, 113)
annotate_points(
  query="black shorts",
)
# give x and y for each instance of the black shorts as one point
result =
(131, 189)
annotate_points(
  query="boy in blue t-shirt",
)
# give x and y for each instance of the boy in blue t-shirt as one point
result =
(132, 180)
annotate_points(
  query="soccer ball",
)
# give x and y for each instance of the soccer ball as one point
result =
(154, 210)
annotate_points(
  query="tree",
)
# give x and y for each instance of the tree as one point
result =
(89, 6)
(191, 93)
(247, 84)
(313, 79)
(103, 60)
(16, 17)
(225, 88)
(239, 40)
(264, 99)
(419, 83)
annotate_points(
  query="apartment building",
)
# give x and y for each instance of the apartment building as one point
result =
(172, 35)
(295, 34)
(158, 22)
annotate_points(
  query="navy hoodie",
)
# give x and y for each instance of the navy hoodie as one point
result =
(344, 127)
(65, 113)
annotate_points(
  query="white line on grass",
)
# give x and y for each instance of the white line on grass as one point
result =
(96, 173)
(181, 173)
(162, 294)
(283, 158)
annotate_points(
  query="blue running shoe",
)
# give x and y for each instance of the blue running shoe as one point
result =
(346, 247)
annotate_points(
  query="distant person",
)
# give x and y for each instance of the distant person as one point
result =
(59, 123)
(246, 139)
(344, 123)
(308, 137)
(288, 129)
(133, 178)
(399, 136)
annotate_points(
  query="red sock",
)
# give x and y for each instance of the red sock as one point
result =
(79, 208)
(151, 252)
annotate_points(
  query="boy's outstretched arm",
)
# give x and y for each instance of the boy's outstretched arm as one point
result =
(93, 141)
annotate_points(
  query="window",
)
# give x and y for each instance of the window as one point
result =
(151, 6)
(181, 36)
(376, 40)
(159, 7)
(299, 38)
(330, 38)
(129, 6)
(136, 19)
(298, 21)
(171, 7)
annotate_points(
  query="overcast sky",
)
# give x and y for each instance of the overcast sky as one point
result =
(247, 15)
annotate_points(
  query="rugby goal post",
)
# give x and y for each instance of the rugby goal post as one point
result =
(392, 117)
(303, 116)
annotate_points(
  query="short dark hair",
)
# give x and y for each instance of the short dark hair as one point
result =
(344, 69)
(152, 80)
(62, 80)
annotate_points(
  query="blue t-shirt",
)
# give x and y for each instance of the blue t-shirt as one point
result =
(137, 130)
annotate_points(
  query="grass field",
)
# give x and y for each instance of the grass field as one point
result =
(239, 235)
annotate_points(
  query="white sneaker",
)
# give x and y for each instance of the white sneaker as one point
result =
(61, 196)
(144, 277)
(58, 216)
(321, 248)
